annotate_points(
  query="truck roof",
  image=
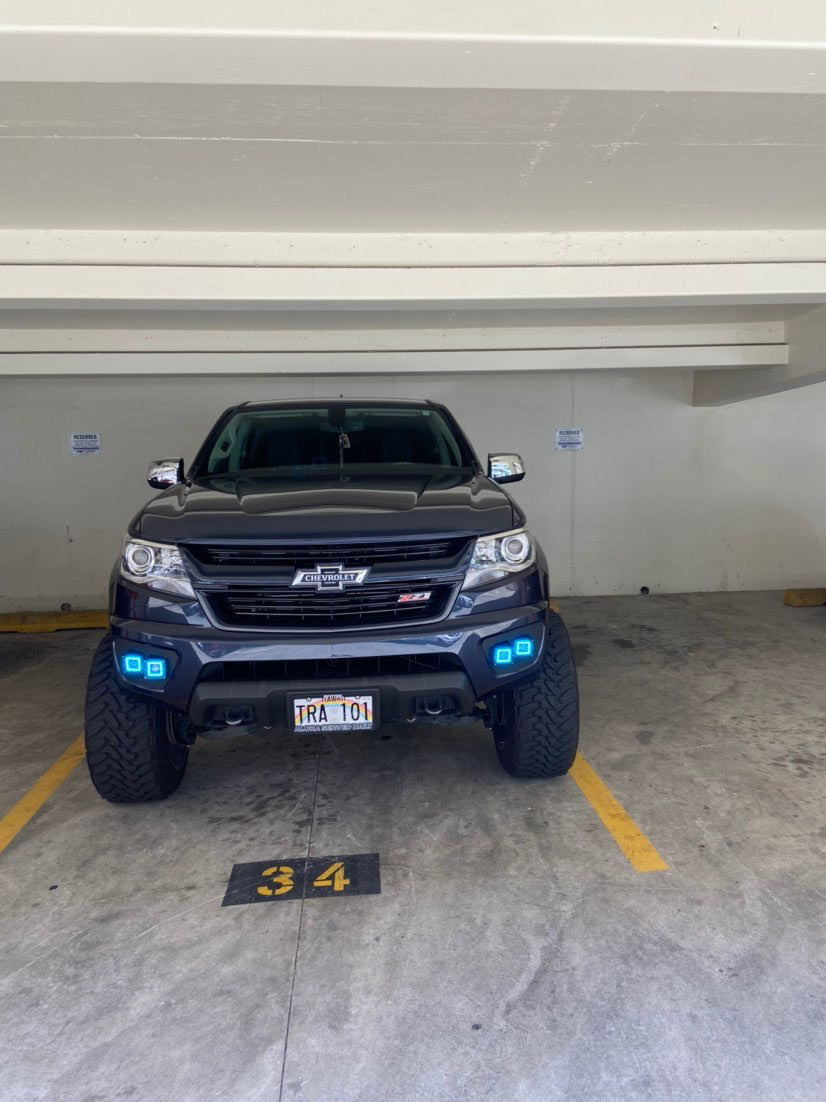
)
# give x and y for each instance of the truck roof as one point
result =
(323, 403)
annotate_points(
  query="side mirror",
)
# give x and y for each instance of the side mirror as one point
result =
(163, 473)
(506, 468)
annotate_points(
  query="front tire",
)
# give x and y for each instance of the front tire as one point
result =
(536, 722)
(131, 749)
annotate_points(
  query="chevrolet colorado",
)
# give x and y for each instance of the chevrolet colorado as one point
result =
(328, 565)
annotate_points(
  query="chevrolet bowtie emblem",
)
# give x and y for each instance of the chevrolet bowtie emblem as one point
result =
(330, 577)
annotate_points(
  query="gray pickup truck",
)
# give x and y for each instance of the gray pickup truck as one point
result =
(328, 566)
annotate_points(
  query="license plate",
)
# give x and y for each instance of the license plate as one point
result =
(333, 712)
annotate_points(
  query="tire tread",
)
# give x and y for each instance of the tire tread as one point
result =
(542, 739)
(126, 749)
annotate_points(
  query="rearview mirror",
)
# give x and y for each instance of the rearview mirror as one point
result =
(163, 473)
(507, 467)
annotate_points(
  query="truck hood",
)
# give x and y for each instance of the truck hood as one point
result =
(324, 505)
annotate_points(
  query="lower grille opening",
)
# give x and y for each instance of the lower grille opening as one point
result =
(327, 669)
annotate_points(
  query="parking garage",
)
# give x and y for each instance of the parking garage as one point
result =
(599, 242)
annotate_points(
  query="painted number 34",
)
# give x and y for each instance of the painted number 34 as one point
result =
(281, 879)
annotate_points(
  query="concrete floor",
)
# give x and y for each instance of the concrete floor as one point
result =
(513, 952)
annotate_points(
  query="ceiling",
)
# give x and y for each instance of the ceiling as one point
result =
(438, 178)
(400, 160)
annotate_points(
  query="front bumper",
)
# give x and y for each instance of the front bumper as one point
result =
(202, 659)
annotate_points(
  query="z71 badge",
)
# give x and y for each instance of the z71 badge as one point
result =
(414, 598)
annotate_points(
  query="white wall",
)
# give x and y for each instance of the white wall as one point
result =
(664, 494)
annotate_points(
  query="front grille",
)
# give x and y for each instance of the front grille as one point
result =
(298, 556)
(328, 669)
(371, 605)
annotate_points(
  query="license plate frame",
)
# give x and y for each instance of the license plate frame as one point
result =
(367, 699)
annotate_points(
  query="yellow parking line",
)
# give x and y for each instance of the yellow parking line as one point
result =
(632, 842)
(616, 820)
(12, 823)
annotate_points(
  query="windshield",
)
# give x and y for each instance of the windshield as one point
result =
(337, 436)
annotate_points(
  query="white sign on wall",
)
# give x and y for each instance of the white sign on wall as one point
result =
(84, 443)
(569, 440)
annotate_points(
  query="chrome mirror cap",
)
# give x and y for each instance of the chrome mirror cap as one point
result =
(163, 473)
(507, 467)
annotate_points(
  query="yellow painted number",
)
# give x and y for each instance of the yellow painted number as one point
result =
(332, 878)
(281, 876)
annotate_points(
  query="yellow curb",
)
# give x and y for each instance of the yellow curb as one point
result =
(804, 598)
(29, 622)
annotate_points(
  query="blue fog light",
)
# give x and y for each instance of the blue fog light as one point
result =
(155, 669)
(131, 664)
(502, 656)
(523, 648)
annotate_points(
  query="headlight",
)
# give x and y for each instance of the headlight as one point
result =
(156, 565)
(497, 556)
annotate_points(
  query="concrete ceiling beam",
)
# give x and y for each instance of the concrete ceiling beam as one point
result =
(369, 289)
(431, 250)
(440, 49)
(806, 365)
(58, 337)
(73, 364)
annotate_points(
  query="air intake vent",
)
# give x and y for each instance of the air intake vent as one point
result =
(373, 605)
(298, 556)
